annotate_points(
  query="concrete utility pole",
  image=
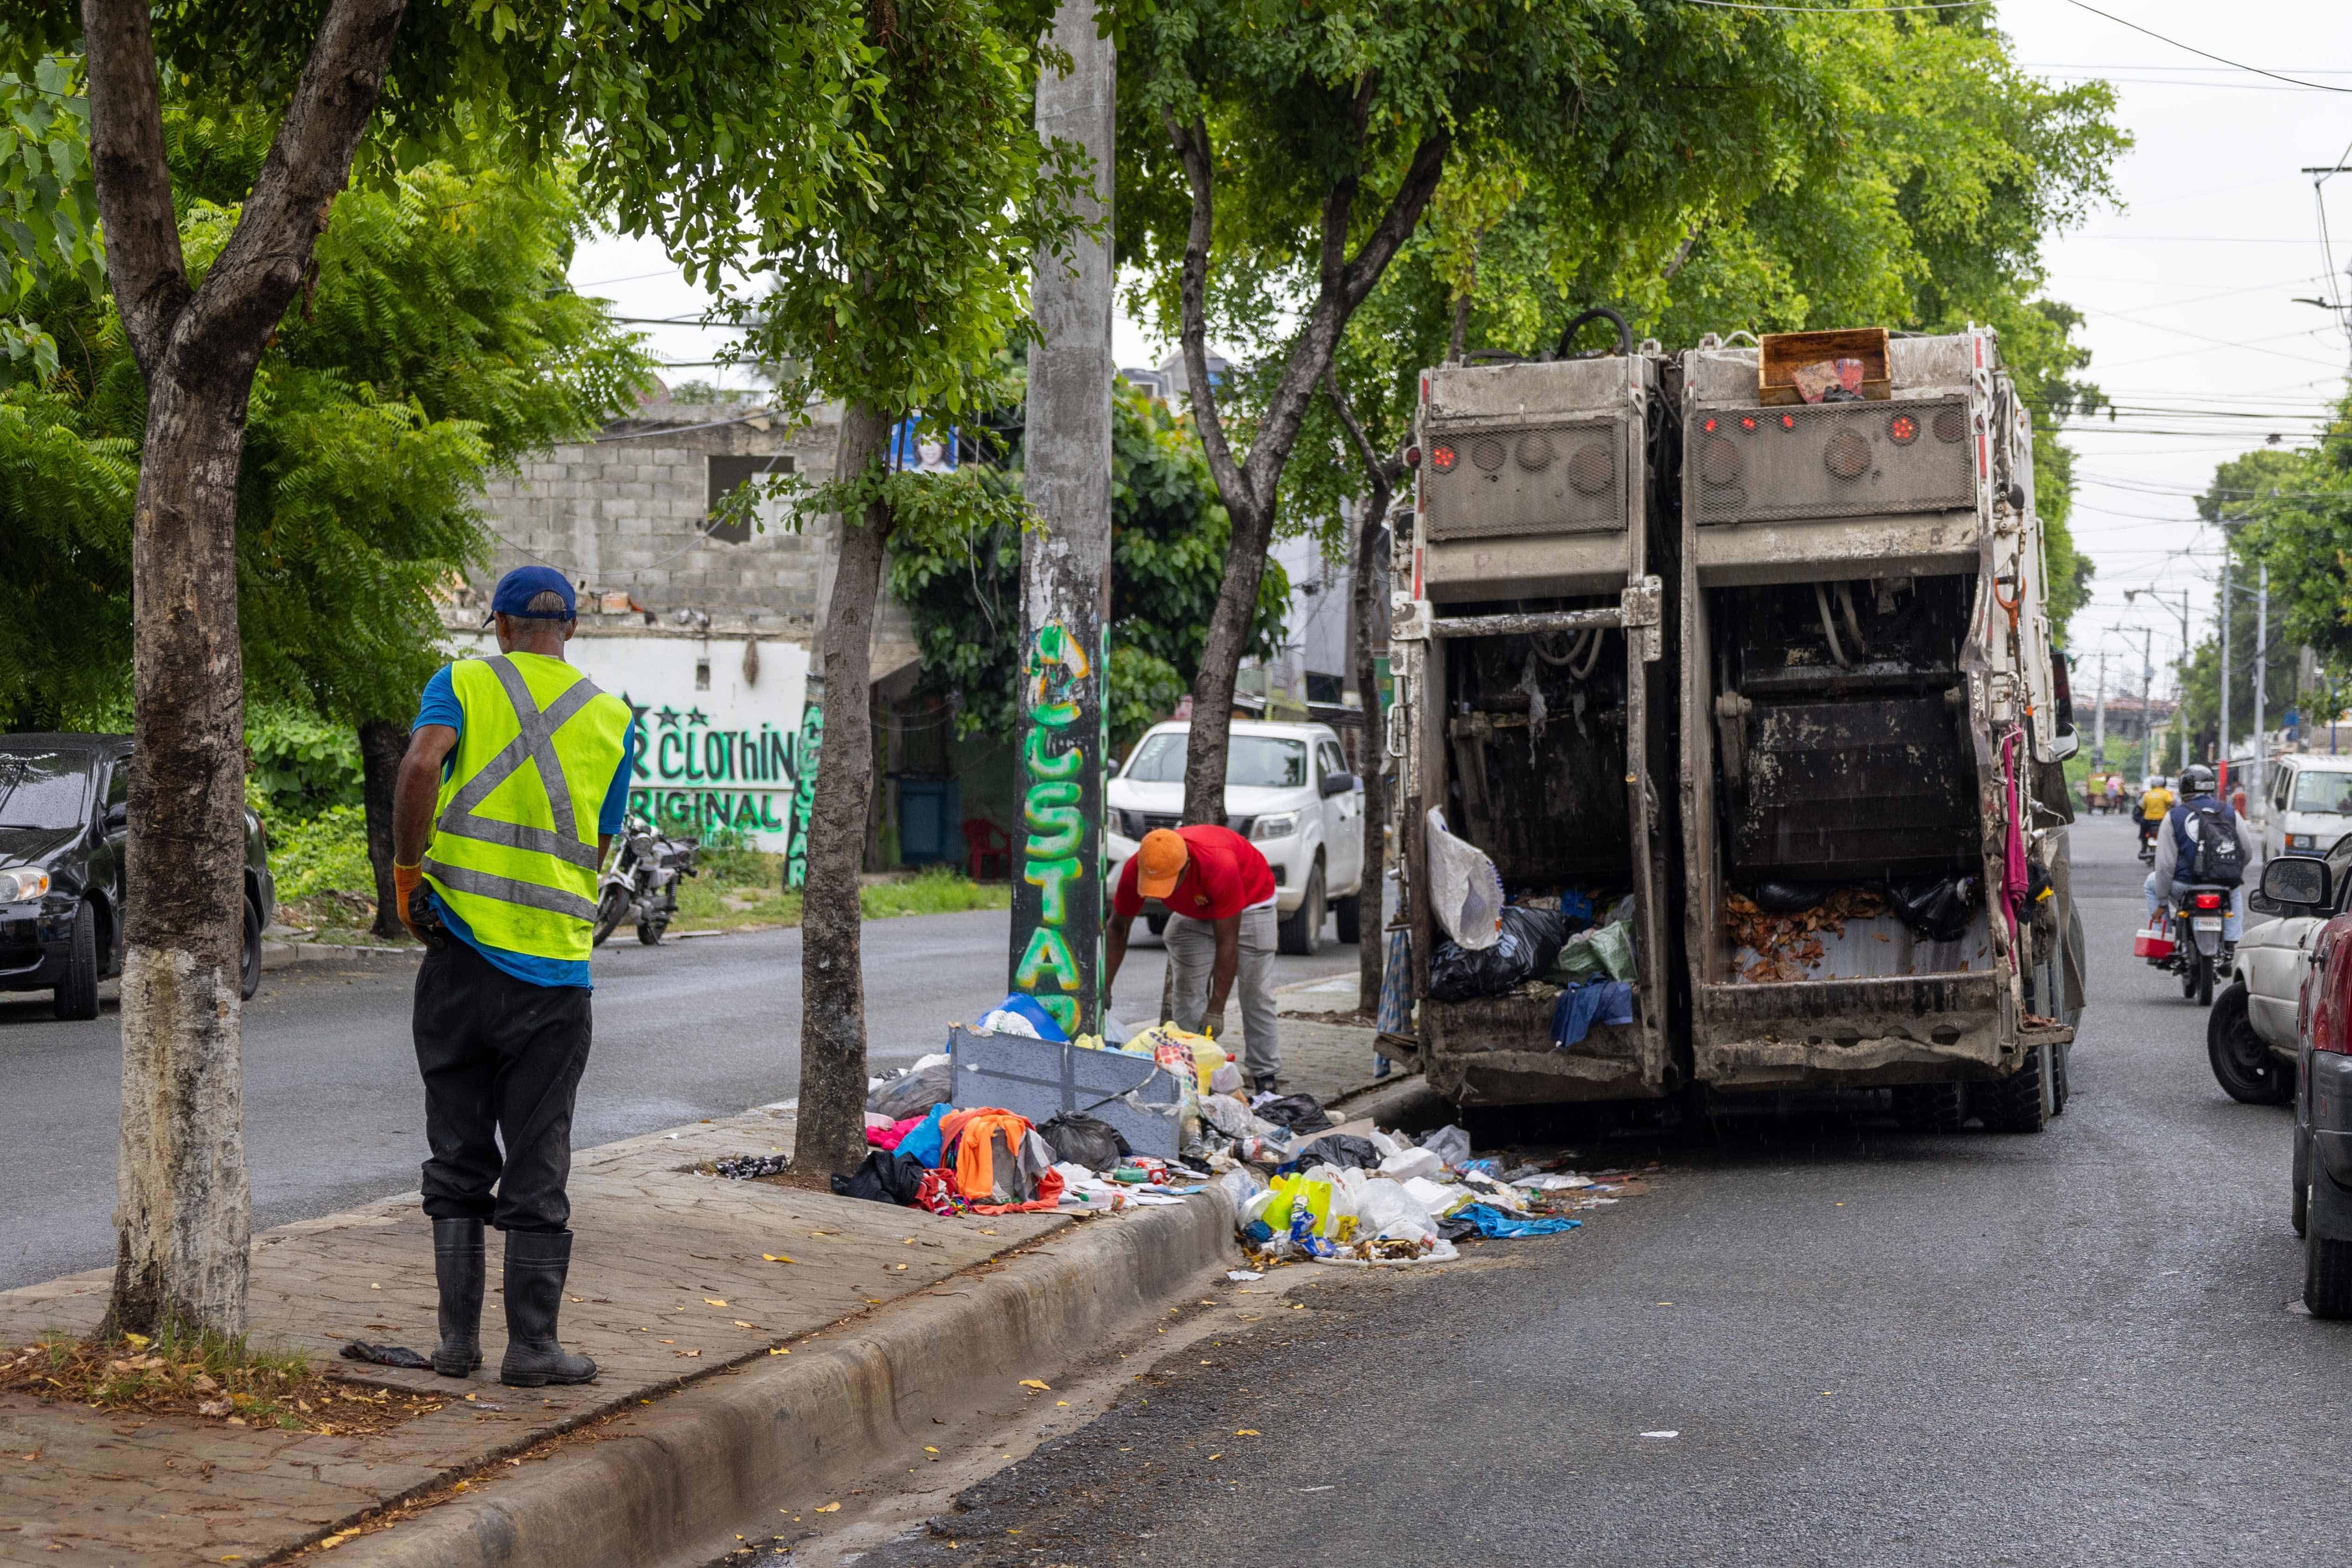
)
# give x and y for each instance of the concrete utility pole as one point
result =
(1057, 901)
(2099, 718)
(2146, 703)
(2261, 668)
(2225, 666)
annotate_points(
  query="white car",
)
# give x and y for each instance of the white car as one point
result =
(1288, 791)
(2250, 1035)
(2311, 804)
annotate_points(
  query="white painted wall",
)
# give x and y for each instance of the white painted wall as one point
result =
(712, 743)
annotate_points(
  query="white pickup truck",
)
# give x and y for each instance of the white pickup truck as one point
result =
(1287, 790)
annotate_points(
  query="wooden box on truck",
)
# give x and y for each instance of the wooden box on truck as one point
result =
(1535, 704)
(1867, 710)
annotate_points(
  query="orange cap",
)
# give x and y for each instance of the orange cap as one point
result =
(1160, 862)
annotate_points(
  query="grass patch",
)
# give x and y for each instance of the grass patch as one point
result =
(745, 889)
(191, 1373)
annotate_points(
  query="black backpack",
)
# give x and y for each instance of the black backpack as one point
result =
(2214, 857)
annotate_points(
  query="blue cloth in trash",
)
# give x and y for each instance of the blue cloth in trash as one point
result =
(1593, 1002)
(923, 1141)
(1492, 1221)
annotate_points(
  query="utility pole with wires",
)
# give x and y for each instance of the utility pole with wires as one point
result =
(2224, 747)
(2099, 716)
(2262, 666)
(2342, 304)
(2146, 703)
(2180, 707)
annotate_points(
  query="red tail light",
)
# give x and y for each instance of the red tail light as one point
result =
(2206, 900)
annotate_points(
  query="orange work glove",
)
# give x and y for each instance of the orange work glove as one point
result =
(406, 880)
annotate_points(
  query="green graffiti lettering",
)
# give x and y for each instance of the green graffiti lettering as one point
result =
(1050, 876)
(1065, 1010)
(1054, 715)
(1047, 954)
(1056, 825)
(1045, 764)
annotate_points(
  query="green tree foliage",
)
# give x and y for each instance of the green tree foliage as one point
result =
(1169, 537)
(2292, 509)
(48, 212)
(439, 342)
(1910, 180)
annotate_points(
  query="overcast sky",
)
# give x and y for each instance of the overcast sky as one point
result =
(2189, 290)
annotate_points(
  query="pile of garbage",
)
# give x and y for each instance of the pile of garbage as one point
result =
(1359, 1195)
(1303, 1186)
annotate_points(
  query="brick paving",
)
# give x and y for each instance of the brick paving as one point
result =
(668, 1284)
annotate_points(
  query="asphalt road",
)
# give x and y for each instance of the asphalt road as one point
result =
(333, 1114)
(1813, 1342)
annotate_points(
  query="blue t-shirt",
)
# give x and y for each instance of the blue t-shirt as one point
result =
(439, 706)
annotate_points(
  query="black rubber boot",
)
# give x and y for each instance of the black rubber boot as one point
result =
(537, 1262)
(458, 1265)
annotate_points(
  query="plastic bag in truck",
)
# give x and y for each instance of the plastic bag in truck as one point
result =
(1465, 891)
(1529, 943)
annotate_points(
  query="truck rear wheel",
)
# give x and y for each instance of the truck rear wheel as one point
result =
(2015, 1104)
(1929, 1107)
(2243, 1064)
(2326, 1275)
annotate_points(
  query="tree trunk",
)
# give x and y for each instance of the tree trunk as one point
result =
(183, 1214)
(184, 1217)
(382, 742)
(831, 1132)
(1372, 623)
(1221, 663)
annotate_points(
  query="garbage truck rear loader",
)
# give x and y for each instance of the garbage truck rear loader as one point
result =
(1534, 705)
(1873, 804)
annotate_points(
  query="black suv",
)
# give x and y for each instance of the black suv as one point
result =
(64, 804)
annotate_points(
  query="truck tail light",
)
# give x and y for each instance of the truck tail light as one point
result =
(2206, 900)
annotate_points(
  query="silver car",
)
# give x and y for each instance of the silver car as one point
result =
(2250, 1034)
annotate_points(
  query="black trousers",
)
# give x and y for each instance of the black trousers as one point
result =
(501, 1060)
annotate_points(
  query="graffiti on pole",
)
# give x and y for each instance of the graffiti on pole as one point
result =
(812, 738)
(1058, 900)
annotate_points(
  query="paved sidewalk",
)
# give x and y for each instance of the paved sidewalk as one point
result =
(668, 1284)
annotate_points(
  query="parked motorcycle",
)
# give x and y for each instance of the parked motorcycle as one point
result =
(640, 881)
(2189, 945)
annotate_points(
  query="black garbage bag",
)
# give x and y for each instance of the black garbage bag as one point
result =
(913, 1093)
(885, 1178)
(1530, 940)
(1936, 908)
(1297, 1112)
(1077, 1139)
(1789, 898)
(1344, 1150)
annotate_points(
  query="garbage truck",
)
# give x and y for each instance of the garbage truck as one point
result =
(1873, 728)
(1535, 696)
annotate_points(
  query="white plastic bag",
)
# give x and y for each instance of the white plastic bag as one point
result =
(1465, 891)
(1385, 1210)
(1450, 1144)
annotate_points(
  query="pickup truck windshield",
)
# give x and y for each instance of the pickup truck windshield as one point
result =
(1261, 761)
(47, 788)
(2329, 793)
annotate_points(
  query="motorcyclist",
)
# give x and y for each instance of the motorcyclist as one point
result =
(2155, 801)
(2176, 848)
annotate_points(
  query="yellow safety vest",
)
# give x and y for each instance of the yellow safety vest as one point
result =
(514, 834)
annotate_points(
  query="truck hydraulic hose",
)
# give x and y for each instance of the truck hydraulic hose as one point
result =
(1828, 627)
(1597, 313)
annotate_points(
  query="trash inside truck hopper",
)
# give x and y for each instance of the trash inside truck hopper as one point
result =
(1871, 731)
(1535, 703)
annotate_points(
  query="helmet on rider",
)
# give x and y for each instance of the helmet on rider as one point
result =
(2195, 779)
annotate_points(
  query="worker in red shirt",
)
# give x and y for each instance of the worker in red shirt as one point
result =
(1220, 896)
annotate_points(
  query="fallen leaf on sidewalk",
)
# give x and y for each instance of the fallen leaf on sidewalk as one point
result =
(712, 1302)
(741, 1324)
(779, 1353)
(1247, 1432)
(778, 1257)
(830, 1508)
(689, 1352)
(1033, 1383)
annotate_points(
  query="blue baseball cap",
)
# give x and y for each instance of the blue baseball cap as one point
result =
(519, 587)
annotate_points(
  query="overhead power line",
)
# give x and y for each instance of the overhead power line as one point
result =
(2208, 54)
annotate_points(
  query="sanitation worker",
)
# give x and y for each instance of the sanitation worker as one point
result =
(516, 778)
(1220, 929)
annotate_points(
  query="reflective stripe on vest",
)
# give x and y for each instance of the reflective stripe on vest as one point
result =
(518, 883)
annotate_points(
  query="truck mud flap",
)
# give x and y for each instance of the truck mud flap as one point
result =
(1853, 1033)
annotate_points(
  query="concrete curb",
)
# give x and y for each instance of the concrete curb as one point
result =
(287, 954)
(771, 1429)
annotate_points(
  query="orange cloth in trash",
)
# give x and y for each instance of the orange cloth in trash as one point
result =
(970, 1131)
